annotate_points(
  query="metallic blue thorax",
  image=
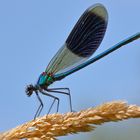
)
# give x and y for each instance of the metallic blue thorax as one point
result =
(45, 79)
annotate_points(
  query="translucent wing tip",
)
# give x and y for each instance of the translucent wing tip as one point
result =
(99, 10)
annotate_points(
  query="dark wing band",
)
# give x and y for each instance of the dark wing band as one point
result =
(88, 32)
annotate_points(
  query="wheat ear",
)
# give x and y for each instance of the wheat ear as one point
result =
(50, 126)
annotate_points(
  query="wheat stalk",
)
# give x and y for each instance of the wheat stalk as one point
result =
(50, 126)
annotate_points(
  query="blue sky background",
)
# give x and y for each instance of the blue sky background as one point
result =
(32, 31)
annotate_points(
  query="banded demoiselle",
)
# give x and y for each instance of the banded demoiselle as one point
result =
(82, 42)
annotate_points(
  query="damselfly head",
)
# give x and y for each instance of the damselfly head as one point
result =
(30, 89)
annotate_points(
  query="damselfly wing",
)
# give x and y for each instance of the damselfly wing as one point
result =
(82, 42)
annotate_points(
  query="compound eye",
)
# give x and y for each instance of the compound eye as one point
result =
(29, 90)
(29, 93)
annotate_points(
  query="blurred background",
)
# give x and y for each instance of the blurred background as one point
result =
(32, 31)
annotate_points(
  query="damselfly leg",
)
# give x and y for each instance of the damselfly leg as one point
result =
(41, 103)
(53, 90)
(40, 106)
(59, 90)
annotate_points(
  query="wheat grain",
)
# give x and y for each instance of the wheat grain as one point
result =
(50, 126)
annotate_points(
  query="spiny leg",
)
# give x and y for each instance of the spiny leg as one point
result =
(54, 97)
(56, 90)
(52, 106)
(39, 108)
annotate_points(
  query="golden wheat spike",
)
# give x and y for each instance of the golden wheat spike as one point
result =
(50, 126)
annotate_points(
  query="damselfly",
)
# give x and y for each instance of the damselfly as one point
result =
(82, 42)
